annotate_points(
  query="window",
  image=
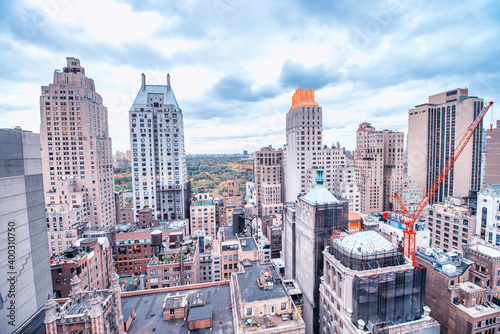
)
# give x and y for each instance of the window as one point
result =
(283, 306)
(249, 312)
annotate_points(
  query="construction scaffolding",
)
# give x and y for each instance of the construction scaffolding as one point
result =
(389, 298)
(366, 261)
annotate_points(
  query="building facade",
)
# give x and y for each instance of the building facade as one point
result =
(24, 236)
(203, 213)
(492, 174)
(452, 224)
(379, 163)
(158, 161)
(304, 127)
(93, 312)
(487, 225)
(303, 152)
(463, 292)
(308, 224)
(369, 286)
(75, 144)
(434, 130)
(134, 249)
(90, 260)
(268, 178)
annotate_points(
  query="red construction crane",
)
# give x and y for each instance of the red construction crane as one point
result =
(409, 235)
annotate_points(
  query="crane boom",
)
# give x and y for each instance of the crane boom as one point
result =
(409, 235)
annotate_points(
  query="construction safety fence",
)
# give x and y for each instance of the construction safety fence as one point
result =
(389, 298)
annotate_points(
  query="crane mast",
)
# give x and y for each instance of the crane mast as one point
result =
(409, 234)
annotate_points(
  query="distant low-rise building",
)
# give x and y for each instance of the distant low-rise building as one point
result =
(203, 209)
(210, 257)
(262, 303)
(124, 211)
(174, 263)
(133, 248)
(229, 258)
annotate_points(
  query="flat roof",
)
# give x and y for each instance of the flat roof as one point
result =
(200, 313)
(249, 288)
(173, 302)
(490, 251)
(250, 245)
(218, 296)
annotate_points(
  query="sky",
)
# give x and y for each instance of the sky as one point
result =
(235, 64)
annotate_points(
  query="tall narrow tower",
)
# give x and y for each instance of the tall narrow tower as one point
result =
(158, 157)
(76, 155)
(304, 125)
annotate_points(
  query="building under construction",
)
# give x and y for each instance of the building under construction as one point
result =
(370, 287)
(308, 224)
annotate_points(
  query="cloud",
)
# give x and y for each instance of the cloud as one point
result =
(239, 88)
(294, 75)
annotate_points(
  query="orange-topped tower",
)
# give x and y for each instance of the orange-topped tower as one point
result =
(302, 150)
(303, 98)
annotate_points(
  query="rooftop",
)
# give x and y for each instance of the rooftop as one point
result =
(218, 296)
(449, 264)
(489, 251)
(364, 243)
(166, 90)
(248, 244)
(249, 287)
(493, 189)
(173, 302)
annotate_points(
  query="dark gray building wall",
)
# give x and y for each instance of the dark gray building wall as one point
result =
(22, 209)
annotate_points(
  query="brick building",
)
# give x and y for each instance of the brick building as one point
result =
(463, 292)
(133, 249)
(175, 263)
(90, 260)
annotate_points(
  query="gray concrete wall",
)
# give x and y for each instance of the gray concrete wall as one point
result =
(22, 207)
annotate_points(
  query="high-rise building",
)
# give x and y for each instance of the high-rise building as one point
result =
(159, 173)
(76, 149)
(303, 152)
(308, 224)
(434, 130)
(304, 128)
(492, 172)
(345, 186)
(268, 178)
(379, 163)
(25, 267)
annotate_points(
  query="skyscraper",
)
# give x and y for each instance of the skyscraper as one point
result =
(25, 276)
(303, 142)
(379, 162)
(158, 157)
(434, 130)
(76, 153)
